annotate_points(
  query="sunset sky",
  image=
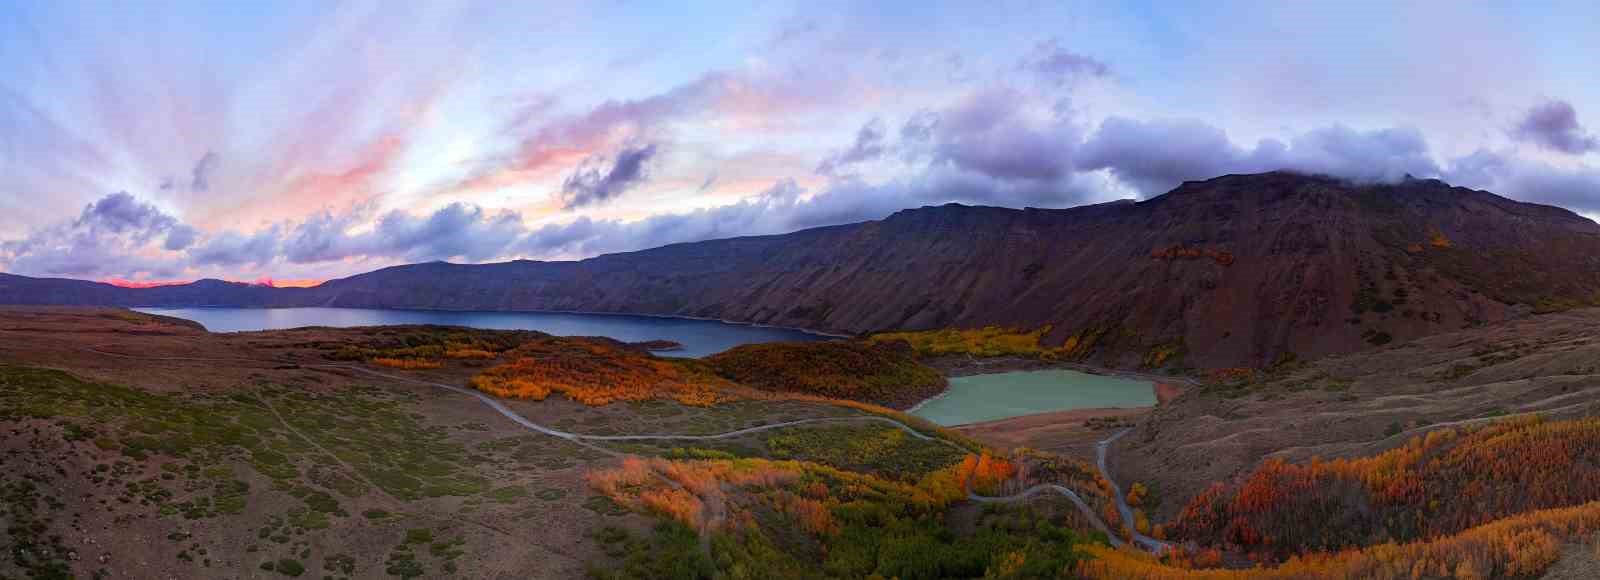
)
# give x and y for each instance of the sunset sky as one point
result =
(307, 140)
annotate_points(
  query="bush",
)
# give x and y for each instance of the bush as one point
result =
(289, 567)
(879, 373)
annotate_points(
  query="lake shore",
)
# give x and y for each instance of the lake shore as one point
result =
(962, 366)
(978, 397)
(1167, 387)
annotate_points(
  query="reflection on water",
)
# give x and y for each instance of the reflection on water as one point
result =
(699, 337)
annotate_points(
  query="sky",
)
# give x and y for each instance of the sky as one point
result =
(299, 141)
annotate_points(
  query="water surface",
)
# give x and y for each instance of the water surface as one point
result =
(988, 397)
(699, 337)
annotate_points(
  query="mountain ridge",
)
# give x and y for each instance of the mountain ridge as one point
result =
(1239, 270)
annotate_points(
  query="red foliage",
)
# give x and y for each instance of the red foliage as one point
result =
(1440, 484)
(1182, 252)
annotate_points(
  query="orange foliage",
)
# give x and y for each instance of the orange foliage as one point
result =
(407, 363)
(1437, 239)
(1439, 484)
(468, 353)
(1519, 546)
(681, 489)
(985, 473)
(595, 372)
(1136, 494)
(812, 514)
(676, 504)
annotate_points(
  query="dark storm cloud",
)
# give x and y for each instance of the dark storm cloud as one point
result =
(590, 185)
(1554, 125)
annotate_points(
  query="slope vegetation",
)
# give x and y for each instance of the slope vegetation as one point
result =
(884, 374)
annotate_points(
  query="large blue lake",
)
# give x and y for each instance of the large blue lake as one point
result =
(699, 337)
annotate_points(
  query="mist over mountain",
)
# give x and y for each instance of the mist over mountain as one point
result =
(1239, 270)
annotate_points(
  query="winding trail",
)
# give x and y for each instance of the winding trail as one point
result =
(1088, 512)
(1146, 542)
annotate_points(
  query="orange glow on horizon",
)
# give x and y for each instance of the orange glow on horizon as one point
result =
(124, 283)
(270, 282)
(288, 282)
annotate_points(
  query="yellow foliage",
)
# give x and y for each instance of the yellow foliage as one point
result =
(1137, 493)
(468, 353)
(681, 489)
(986, 341)
(1437, 239)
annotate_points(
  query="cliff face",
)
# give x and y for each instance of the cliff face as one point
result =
(1237, 270)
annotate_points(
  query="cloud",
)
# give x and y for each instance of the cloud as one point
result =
(742, 99)
(991, 132)
(588, 185)
(112, 235)
(1376, 155)
(1575, 188)
(1156, 155)
(1057, 65)
(869, 146)
(786, 207)
(120, 213)
(180, 236)
(121, 236)
(200, 177)
(455, 231)
(458, 230)
(232, 248)
(1554, 126)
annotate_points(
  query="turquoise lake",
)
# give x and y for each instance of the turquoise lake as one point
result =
(699, 337)
(977, 398)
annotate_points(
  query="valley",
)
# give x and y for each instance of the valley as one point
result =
(271, 453)
(1225, 405)
(144, 428)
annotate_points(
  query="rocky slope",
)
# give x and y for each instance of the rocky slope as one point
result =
(1237, 270)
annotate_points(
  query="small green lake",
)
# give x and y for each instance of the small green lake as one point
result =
(988, 397)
